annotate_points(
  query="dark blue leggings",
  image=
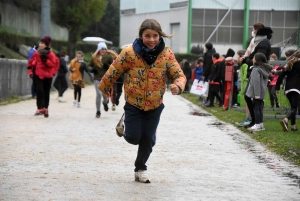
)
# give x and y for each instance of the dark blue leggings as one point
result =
(140, 129)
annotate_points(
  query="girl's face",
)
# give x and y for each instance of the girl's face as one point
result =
(272, 59)
(102, 52)
(42, 46)
(79, 57)
(150, 38)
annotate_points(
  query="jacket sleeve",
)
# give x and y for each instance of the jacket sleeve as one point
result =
(176, 74)
(52, 62)
(115, 70)
(255, 81)
(207, 66)
(279, 80)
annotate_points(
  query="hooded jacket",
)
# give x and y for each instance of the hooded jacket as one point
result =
(258, 81)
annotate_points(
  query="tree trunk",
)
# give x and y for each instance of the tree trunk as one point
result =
(72, 43)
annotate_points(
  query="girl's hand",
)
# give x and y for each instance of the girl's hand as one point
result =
(174, 89)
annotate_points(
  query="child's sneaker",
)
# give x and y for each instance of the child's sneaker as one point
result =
(61, 100)
(141, 176)
(105, 105)
(254, 128)
(38, 112)
(78, 104)
(113, 108)
(244, 123)
(74, 103)
(284, 125)
(120, 126)
(98, 114)
(262, 128)
(46, 113)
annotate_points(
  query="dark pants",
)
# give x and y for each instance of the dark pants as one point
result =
(77, 91)
(234, 95)
(258, 110)
(61, 84)
(140, 129)
(43, 91)
(117, 92)
(214, 92)
(273, 96)
(293, 98)
(250, 108)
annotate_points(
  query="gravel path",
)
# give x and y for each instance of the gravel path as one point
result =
(74, 156)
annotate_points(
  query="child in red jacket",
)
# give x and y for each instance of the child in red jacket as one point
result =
(42, 66)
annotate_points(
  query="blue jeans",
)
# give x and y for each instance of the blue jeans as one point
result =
(140, 129)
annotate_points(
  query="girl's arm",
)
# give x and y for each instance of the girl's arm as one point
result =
(176, 74)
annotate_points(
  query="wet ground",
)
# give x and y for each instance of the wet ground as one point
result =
(74, 156)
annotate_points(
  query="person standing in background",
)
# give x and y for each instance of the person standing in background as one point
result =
(60, 83)
(42, 67)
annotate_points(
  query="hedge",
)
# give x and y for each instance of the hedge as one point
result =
(12, 41)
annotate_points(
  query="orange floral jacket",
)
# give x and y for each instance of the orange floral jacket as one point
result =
(144, 84)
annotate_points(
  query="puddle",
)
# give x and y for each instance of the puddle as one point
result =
(200, 114)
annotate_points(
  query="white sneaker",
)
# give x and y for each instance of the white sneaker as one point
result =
(74, 103)
(61, 100)
(262, 128)
(113, 108)
(78, 104)
(256, 127)
(141, 176)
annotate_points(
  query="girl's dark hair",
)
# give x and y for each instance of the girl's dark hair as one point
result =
(260, 58)
(153, 25)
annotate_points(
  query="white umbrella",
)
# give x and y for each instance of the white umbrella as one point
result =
(96, 40)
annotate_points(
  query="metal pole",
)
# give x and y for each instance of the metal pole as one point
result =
(45, 18)
(189, 39)
(214, 31)
(246, 23)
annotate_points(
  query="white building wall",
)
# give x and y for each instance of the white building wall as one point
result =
(283, 5)
(129, 26)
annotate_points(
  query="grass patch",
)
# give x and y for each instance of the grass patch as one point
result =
(286, 144)
(13, 99)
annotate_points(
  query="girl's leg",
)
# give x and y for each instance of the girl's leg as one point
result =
(40, 92)
(150, 120)
(47, 88)
(274, 95)
(257, 110)
(75, 92)
(98, 95)
(294, 100)
(250, 108)
(271, 95)
(79, 94)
